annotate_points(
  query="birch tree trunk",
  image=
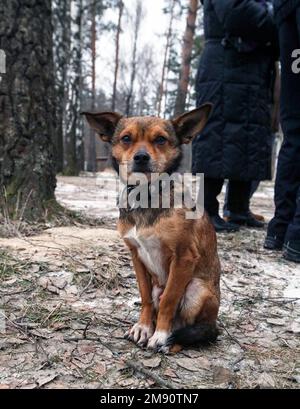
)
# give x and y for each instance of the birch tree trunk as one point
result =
(27, 114)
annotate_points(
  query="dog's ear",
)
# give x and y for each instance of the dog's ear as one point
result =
(188, 125)
(104, 123)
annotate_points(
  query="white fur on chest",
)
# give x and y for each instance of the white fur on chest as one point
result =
(149, 251)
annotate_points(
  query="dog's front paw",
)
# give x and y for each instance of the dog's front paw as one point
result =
(140, 334)
(158, 341)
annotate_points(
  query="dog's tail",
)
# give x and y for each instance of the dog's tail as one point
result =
(196, 334)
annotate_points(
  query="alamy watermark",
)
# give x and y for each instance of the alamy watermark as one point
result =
(296, 62)
(2, 63)
(157, 190)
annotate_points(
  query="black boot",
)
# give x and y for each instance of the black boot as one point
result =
(245, 220)
(221, 226)
(292, 251)
(273, 243)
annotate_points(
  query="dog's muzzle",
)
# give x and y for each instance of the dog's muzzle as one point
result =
(141, 161)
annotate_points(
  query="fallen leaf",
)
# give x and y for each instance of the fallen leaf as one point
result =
(152, 363)
(187, 363)
(100, 369)
(265, 381)
(296, 378)
(44, 379)
(86, 347)
(170, 373)
(126, 382)
(194, 365)
(222, 375)
(295, 327)
(35, 268)
(276, 321)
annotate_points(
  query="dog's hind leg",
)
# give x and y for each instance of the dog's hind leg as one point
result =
(198, 311)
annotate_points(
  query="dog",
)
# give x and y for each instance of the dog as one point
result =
(175, 259)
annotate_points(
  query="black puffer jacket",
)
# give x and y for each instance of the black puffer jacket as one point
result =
(283, 8)
(235, 74)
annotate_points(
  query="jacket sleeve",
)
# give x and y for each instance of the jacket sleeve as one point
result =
(248, 19)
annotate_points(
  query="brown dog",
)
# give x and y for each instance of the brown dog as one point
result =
(175, 258)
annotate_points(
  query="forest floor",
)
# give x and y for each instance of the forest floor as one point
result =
(68, 294)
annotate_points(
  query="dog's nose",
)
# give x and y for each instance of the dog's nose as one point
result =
(141, 158)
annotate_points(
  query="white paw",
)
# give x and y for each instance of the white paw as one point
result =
(158, 340)
(139, 334)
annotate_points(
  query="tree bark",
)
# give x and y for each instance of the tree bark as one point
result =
(117, 55)
(91, 165)
(62, 38)
(184, 79)
(73, 123)
(165, 61)
(188, 41)
(27, 165)
(137, 24)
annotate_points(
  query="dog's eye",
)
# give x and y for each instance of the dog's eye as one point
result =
(160, 140)
(126, 139)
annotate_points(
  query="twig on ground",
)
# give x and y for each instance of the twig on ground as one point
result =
(156, 378)
(33, 341)
(93, 339)
(87, 327)
(55, 309)
(231, 336)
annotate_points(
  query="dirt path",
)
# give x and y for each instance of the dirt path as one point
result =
(69, 294)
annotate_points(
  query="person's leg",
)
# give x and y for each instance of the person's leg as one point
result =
(292, 241)
(226, 212)
(239, 194)
(239, 197)
(212, 189)
(254, 187)
(288, 169)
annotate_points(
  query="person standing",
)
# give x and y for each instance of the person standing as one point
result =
(235, 73)
(284, 228)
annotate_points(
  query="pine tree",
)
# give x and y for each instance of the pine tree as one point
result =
(187, 48)
(62, 38)
(27, 113)
(73, 138)
(137, 25)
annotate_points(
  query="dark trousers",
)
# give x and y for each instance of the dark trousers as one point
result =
(286, 222)
(254, 187)
(238, 196)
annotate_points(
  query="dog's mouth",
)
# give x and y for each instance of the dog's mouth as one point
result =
(150, 170)
(131, 167)
(147, 168)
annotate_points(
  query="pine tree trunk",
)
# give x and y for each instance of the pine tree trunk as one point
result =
(117, 56)
(165, 62)
(91, 165)
(62, 38)
(137, 24)
(187, 48)
(184, 79)
(73, 124)
(27, 114)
